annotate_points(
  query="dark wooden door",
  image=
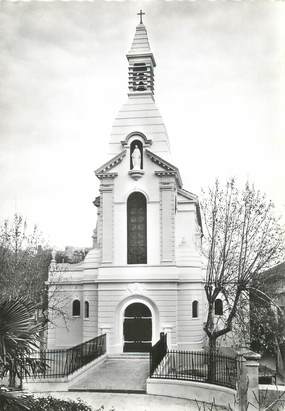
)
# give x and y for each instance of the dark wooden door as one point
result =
(137, 328)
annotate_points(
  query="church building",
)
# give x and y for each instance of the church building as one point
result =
(144, 274)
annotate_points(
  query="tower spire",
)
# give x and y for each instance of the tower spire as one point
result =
(141, 62)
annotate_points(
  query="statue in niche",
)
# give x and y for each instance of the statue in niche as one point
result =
(136, 158)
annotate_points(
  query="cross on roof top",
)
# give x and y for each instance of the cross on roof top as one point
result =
(141, 14)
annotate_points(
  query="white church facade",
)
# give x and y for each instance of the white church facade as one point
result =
(144, 274)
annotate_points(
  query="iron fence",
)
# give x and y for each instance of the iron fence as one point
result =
(157, 352)
(60, 363)
(198, 366)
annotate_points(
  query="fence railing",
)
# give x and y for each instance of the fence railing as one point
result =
(198, 366)
(157, 352)
(60, 363)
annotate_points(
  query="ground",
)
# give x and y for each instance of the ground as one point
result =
(130, 402)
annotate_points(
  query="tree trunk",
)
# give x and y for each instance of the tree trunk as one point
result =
(211, 359)
(12, 379)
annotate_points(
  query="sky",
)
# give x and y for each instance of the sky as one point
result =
(219, 84)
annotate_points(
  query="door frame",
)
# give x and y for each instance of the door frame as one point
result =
(154, 315)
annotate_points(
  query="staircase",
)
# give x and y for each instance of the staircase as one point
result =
(121, 373)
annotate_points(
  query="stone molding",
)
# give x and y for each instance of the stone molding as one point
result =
(102, 176)
(170, 169)
(147, 143)
(187, 194)
(103, 170)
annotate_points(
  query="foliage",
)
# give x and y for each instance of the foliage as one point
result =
(23, 261)
(54, 404)
(267, 322)
(11, 402)
(271, 400)
(71, 255)
(19, 337)
(242, 238)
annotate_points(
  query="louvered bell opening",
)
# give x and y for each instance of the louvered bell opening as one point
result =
(141, 77)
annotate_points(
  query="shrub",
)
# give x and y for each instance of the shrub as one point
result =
(29, 403)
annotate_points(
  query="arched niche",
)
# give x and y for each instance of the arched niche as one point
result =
(139, 145)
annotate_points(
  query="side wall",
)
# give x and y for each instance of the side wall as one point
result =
(64, 329)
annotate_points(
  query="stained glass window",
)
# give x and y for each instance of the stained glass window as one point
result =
(137, 243)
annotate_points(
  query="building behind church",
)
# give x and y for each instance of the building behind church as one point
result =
(144, 274)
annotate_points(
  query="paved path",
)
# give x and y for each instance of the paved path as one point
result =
(129, 402)
(123, 375)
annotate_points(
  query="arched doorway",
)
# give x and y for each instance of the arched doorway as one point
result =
(137, 328)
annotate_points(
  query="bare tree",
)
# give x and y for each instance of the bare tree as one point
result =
(243, 237)
(24, 261)
(24, 268)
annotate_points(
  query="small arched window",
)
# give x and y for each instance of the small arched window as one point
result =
(139, 145)
(86, 309)
(76, 308)
(195, 309)
(218, 307)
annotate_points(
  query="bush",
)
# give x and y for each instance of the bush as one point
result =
(21, 403)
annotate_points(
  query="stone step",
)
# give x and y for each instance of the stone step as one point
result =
(110, 390)
(129, 356)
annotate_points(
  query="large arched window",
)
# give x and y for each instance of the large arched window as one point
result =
(76, 308)
(218, 307)
(86, 309)
(137, 235)
(195, 309)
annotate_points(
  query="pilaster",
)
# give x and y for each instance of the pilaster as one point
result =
(107, 220)
(167, 220)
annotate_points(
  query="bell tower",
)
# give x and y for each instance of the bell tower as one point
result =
(141, 62)
(139, 116)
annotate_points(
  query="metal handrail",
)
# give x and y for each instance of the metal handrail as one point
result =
(199, 366)
(62, 362)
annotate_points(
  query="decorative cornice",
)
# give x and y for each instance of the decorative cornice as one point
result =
(141, 55)
(187, 194)
(101, 176)
(163, 173)
(103, 170)
(171, 170)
